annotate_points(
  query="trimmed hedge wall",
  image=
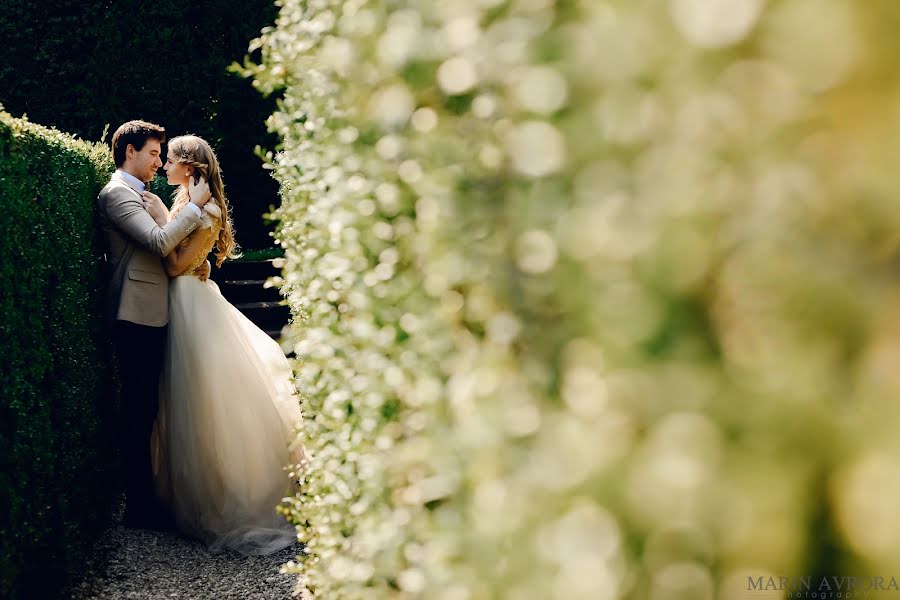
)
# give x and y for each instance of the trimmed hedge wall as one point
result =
(57, 425)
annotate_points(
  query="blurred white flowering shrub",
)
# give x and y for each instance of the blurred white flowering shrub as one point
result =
(600, 298)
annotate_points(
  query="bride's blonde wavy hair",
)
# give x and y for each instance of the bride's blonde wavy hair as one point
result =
(197, 153)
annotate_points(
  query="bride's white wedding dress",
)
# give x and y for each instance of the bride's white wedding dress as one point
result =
(226, 427)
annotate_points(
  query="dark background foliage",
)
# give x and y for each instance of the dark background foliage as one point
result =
(79, 66)
(57, 400)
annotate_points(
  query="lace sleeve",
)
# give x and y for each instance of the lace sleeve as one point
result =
(207, 231)
(201, 240)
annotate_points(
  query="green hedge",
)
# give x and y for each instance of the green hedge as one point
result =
(57, 436)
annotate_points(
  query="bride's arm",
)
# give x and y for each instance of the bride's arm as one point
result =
(178, 261)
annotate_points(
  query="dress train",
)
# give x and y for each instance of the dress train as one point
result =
(226, 428)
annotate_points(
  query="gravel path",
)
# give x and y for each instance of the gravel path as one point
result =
(149, 565)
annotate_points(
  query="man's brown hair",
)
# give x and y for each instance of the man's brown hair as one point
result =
(135, 133)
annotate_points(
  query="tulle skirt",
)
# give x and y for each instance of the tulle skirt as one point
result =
(226, 427)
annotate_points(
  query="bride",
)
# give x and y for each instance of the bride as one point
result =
(227, 420)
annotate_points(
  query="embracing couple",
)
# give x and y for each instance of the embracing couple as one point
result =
(208, 409)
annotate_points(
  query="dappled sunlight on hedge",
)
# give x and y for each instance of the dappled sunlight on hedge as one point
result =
(57, 398)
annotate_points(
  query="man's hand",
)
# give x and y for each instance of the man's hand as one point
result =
(199, 192)
(156, 208)
(203, 271)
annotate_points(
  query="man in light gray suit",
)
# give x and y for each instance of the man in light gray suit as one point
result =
(138, 299)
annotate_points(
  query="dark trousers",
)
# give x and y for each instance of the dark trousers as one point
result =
(139, 351)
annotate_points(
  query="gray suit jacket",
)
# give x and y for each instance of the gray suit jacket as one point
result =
(139, 287)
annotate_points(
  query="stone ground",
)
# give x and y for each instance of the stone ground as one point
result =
(154, 565)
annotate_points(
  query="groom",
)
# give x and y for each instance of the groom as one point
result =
(138, 299)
